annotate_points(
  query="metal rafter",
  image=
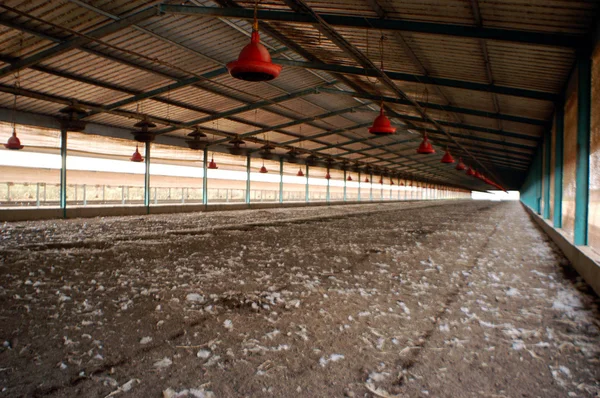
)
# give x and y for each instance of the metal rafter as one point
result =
(348, 21)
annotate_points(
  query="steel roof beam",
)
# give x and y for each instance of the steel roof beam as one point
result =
(79, 41)
(444, 108)
(348, 21)
(424, 79)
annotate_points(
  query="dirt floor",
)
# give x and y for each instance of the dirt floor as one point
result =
(444, 299)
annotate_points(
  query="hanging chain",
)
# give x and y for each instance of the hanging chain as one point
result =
(255, 24)
(17, 86)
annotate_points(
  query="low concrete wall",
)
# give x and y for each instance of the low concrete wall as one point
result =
(583, 258)
(28, 214)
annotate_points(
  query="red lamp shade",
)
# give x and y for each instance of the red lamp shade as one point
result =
(263, 170)
(300, 173)
(13, 142)
(212, 165)
(328, 176)
(447, 158)
(382, 125)
(470, 172)
(137, 156)
(366, 179)
(254, 62)
(425, 148)
(391, 182)
(349, 178)
(460, 166)
(381, 180)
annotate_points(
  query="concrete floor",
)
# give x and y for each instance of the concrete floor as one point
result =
(446, 299)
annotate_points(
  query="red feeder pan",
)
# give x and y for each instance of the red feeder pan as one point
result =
(460, 166)
(366, 179)
(13, 142)
(263, 170)
(212, 165)
(300, 173)
(447, 158)
(137, 156)
(382, 125)
(425, 148)
(254, 63)
(470, 172)
(349, 178)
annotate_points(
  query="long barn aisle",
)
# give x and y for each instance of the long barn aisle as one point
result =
(440, 299)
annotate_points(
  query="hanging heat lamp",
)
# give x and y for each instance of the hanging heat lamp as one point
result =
(266, 151)
(425, 148)
(254, 62)
(212, 164)
(263, 169)
(447, 158)
(236, 148)
(137, 156)
(381, 124)
(470, 172)
(311, 159)
(460, 166)
(299, 173)
(292, 155)
(13, 142)
(197, 139)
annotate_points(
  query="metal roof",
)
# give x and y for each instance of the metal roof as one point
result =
(480, 77)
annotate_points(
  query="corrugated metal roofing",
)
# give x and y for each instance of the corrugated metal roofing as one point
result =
(191, 51)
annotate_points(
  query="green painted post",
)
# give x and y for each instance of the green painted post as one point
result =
(280, 180)
(63, 171)
(205, 178)
(547, 159)
(247, 179)
(147, 179)
(371, 188)
(584, 80)
(558, 163)
(306, 188)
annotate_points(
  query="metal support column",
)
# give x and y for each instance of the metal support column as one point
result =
(359, 182)
(280, 180)
(63, 171)
(205, 177)
(147, 178)
(327, 195)
(307, 192)
(344, 185)
(558, 163)
(371, 189)
(583, 149)
(547, 159)
(247, 179)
